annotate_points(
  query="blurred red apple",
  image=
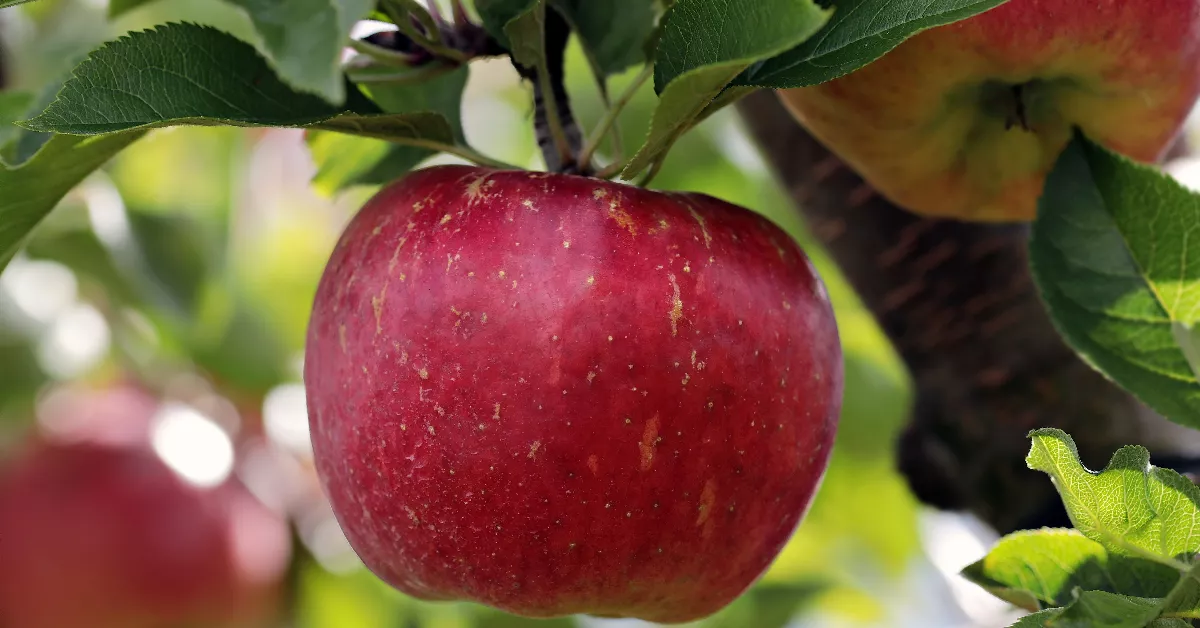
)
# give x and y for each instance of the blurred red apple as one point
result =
(97, 531)
(554, 395)
(965, 120)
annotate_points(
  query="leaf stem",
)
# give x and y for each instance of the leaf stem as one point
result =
(381, 54)
(458, 150)
(432, 39)
(608, 122)
(653, 172)
(408, 9)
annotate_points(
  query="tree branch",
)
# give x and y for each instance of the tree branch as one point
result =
(958, 302)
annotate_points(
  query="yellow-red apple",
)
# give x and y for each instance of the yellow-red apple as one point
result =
(965, 120)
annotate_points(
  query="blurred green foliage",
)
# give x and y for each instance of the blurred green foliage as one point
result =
(214, 264)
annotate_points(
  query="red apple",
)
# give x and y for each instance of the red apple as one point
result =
(965, 120)
(97, 531)
(553, 394)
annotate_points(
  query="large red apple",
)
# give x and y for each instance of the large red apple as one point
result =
(552, 394)
(965, 120)
(97, 532)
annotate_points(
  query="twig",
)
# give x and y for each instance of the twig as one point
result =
(546, 85)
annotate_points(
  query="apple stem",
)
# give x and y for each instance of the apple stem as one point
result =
(1018, 115)
(609, 120)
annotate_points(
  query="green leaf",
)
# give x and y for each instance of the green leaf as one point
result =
(4, 4)
(1184, 599)
(860, 32)
(1039, 569)
(304, 39)
(1131, 508)
(180, 74)
(13, 107)
(21, 144)
(28, 192)
(518, 25)
(1102, 610)
(1098, 609)
(1188, 338)
(178, 258)
(116, 8)
(1038, 620)
(343, 160)
(496, 15)
(613, 33)
(704, 46)
(1114, 255)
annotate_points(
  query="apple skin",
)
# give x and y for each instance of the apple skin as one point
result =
(97, 531)
(926, 123)
(554, 395)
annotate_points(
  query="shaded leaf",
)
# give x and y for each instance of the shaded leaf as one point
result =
(176, 258)
(1038, 620)
(1098, 609)
(344, 160)
(518, 25)
(859, 32)
(614, 33)
(1042, 568)
(1131, 508)
(179, 74)
(21, 144)
(1188, 337)
(304, 39)
(118, 7)
(704, 46)
(13, 106)
(497, 14)
(28, 192)
(1114, 255)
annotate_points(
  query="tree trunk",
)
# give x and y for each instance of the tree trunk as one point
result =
(958, 301)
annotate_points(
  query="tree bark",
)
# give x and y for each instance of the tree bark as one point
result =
(958, 302)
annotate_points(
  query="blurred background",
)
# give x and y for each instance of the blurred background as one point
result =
(163, 305)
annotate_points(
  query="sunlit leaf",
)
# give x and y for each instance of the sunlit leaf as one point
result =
(1115, 255)
(1131, 508)
(1042, 568)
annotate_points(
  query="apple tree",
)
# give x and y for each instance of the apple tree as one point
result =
(559, 391)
